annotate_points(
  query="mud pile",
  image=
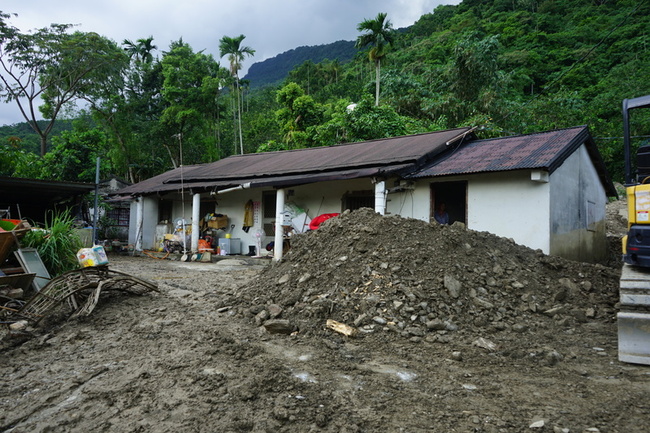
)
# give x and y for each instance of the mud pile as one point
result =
(410, 279)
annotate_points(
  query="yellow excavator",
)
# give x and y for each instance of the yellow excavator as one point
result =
(636, 245)
(634, 315)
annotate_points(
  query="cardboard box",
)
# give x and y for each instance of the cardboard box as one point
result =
(218, 222)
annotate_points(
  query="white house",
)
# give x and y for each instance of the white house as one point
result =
(546, 191)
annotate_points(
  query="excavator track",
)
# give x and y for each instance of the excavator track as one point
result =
(634, 315)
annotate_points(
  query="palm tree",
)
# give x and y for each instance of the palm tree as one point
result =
(236, 54)
(379, 35)
(140, 50)
(146, 47)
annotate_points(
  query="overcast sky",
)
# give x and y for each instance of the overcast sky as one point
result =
(270, 26)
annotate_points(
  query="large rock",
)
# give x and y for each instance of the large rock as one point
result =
(279, 326)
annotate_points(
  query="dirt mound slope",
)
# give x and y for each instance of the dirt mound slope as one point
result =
(418, 280)
(457, 331)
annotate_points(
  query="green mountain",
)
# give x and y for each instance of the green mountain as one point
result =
(23, 136)
(274, 70)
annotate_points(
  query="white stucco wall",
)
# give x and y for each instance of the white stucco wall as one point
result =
(564, 216)
(506, 204)
(148, 228)
(510, 205)
(133, 222)
(411, 203)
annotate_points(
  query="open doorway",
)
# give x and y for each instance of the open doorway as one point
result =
(454, 197)
(268, 212)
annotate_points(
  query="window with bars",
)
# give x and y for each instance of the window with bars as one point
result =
(120, 216)
(358, 199)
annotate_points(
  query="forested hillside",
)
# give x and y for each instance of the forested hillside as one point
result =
(272, 71)
(503, 66)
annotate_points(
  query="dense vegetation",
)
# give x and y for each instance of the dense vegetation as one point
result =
(503, 66)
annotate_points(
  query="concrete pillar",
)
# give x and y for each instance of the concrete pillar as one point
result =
(380, 197)
(139, 218)
(196, 208)
(279, 231)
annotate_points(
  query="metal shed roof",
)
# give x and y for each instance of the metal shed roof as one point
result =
(35, 197)
(413, 149)
(17, 189)
(545, 150)
(154, 184)
(295, 167)
(434, 154)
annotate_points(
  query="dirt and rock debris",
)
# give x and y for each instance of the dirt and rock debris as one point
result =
(454, 331)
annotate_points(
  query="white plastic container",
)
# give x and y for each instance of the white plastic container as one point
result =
(100, 254)
(86, 257)
(95, 256)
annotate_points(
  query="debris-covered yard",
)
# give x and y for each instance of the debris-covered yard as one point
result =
(453, 331)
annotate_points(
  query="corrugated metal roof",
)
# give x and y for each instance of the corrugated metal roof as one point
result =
(22, 190)
(34, 197)
(438, 153)
(541, 151)
(295, 167)
(544, 150)
(155, 184)
(414, 149)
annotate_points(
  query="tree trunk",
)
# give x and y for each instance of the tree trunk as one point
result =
(241, 141)
(43, 144)
(234, 118)
(171, 156)
(377, 82)
(129, 167)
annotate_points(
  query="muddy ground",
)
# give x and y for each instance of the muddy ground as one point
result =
(454, 331)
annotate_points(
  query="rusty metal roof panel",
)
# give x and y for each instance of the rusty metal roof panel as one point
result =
(383, 152)
(155, 184)
(545, 150)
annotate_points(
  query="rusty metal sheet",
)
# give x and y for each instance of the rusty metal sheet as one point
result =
(415, 149)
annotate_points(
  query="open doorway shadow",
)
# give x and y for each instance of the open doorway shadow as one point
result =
(454, 197)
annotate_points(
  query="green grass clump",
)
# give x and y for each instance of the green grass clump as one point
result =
(57, 243)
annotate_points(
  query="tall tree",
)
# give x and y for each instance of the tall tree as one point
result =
(190, 89)
(52, 66)
(140, 50)
(129, 107)
(379, 35)
(236, 54)
(74, 153)
(298, 113)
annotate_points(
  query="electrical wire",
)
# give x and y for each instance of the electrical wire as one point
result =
(620, 138)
